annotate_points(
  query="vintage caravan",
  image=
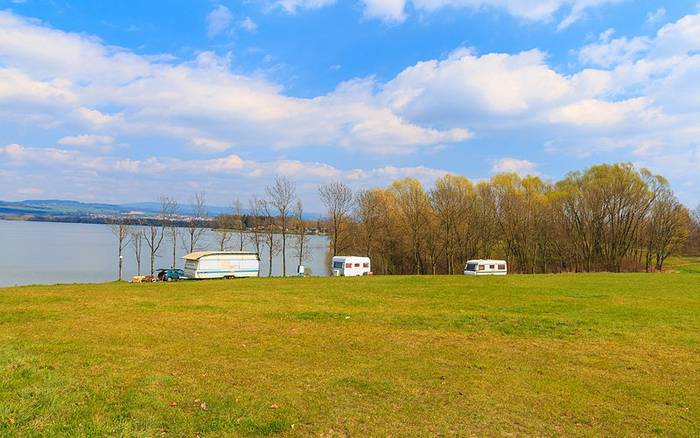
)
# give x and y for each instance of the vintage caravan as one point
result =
(221, 264)
(486, 267)
(350, 266)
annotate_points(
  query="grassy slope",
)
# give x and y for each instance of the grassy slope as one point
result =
(567, 354)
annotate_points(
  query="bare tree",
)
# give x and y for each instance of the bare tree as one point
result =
(369, 211)
(224, 227)
(255, 236)
(240, 225)
(282, 195)
(300, 237)
(153, 235)
(120, 229)
(169, 209)
(338, 199)
(269, 229)
(136, 239)
(196, 227)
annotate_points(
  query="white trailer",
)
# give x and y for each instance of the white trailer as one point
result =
(486, 267)
(222, 264)
(351, 266)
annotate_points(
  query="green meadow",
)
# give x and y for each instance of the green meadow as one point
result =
(555, 355)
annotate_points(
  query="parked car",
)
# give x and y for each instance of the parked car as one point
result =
(170, 275)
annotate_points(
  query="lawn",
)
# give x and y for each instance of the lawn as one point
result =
(588, 355)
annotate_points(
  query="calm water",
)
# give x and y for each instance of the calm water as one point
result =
(50, 252)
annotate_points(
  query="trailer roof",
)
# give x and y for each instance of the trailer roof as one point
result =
(199, 254)
(485, 261)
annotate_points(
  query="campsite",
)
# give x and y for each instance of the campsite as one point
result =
(567, 354)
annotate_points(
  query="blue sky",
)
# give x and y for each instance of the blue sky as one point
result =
(120, 101)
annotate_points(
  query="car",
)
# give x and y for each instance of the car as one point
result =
(170, 275)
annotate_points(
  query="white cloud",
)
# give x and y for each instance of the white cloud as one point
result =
(656, 16)
(249, 25)
(388, 10)
(210, 144)
(86, 140)
(226, 177)
(599, 113)
(673, 39)
(637, 93)
(292, 6)
(200, 99)
(219, 20)
(529, 10)
(514, 165)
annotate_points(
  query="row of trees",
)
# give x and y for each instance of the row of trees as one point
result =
(608, 217)
(272, 223)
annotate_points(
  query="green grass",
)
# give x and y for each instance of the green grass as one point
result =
(688, 265)
(590, 355)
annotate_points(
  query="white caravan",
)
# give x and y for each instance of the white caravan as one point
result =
(351, 266)
(486, 267)
(221, 264)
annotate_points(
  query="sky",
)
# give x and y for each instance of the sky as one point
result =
(123, 101)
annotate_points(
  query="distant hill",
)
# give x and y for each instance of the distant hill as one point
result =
(58, 208)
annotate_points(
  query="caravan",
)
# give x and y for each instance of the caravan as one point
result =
(351, 266)
(486, 267)
(221, 264)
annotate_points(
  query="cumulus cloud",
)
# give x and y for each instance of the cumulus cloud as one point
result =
(71, 171)
(69, 75)
(211, 144)
(529, 10)
(249, 25)
(219, 20)
(86, 140)
(634, 92)
(292, 6)
(514, 165)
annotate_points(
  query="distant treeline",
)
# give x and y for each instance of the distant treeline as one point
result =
(606, 218)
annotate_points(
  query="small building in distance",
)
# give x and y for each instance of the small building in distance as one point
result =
(351, 266)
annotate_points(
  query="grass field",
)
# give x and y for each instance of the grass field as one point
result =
(582, 354)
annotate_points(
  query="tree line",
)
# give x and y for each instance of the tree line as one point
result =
(606, 218)
(273, 223)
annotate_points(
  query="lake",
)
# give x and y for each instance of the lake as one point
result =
(52, 252)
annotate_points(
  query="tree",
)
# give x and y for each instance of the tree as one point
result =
(282, 195)
(196, 226)
(223, 227)
(265, 207)
(413, 207)
(168, 210)
(239, 223)
(338, 200)
(300, 237)
(666, 227)
(255, 223)
(369, 211)
(136, 238)
(120, 229)
(153, 236)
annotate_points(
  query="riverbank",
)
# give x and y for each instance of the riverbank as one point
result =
(583, 354)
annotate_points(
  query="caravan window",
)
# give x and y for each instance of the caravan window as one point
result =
(348, 265)
(471, 266)
(338, 265)
(492, 267)
(482, 267)
(357, 265)
(502, 267)
(365, 265)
